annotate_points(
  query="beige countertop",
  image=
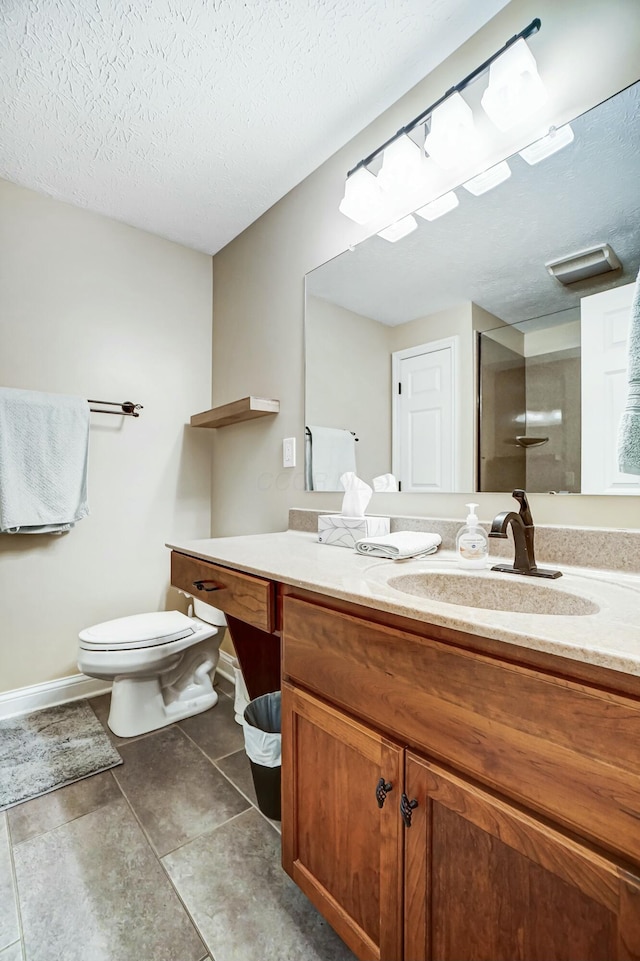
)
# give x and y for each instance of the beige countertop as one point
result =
(609, 638)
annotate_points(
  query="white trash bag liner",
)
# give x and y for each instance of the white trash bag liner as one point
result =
(262, 724)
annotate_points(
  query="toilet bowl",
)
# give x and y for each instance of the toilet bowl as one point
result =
(161, 664)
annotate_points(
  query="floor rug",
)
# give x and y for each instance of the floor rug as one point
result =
(45, 750)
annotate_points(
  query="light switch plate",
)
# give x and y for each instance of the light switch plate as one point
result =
(289, 452)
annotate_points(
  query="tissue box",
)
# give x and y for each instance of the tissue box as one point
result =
(342, 531)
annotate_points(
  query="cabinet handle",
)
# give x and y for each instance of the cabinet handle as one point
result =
(406, 808)
(382, 789)
(200, 586)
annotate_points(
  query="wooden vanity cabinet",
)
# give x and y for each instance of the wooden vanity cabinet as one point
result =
(518, 774)
(524, 836)
(247, 598)
(342, 838)
(485, 880)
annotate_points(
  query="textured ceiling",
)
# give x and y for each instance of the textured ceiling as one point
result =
(492, 249)
(190, 118)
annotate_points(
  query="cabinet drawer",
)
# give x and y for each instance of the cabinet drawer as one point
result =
(248, 598)
(569, 750)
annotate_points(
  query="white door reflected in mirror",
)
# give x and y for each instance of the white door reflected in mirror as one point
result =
(424, 427)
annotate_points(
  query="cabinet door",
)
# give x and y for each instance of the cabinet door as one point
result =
(485, 881)
(339, 845)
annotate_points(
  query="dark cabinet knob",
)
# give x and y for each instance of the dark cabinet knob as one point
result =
(382, 789)
(406, 809)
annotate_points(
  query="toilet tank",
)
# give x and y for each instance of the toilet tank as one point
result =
(208, 613)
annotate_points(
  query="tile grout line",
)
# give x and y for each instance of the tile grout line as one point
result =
(204, 834)
(16, 893)
(189, 840)
(232, 783)
(76, 817)
(253, 805)
(209, 952)
(12, 945)
(202, 750)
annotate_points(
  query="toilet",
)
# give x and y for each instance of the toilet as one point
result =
(161, 664)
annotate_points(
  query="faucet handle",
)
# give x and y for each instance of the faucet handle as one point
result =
(525, 510)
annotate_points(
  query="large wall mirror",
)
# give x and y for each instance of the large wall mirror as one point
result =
(453, 360)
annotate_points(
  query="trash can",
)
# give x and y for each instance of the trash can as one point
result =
(262, 725)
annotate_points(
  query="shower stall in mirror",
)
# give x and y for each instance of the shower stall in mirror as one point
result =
(529, 415)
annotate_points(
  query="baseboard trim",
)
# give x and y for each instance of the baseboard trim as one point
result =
(225, 667)
(24, 700)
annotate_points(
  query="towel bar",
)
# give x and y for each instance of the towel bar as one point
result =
(307, 431)
(127, 407)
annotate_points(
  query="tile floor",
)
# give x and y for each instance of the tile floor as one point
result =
(164, 858)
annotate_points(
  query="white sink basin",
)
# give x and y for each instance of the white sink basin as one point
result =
(518, 595)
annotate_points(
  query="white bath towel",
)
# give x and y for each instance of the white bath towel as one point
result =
(44, 443)
(399, 545)
(333, 453)
(629, 431)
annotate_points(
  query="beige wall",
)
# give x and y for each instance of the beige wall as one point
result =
(549, 339)
(89, 306)
(348, 380)
(586, 51)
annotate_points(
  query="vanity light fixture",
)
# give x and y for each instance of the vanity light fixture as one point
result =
(399, 230)
(440, 207)
(362, 199)
(367, 198)
(404, 170)
(452, 139)
(555, 140)
(515, 89)
(488, 179)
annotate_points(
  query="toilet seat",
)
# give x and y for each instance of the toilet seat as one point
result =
(137, 631)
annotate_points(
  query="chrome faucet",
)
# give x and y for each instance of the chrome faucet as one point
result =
(523, 531)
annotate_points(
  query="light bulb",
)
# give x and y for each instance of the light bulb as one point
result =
(440, 207)
(362, 200)
(546, 146)
(452, 137)
(515, 89)
(399, 230)
(488, 179)
(404, 174)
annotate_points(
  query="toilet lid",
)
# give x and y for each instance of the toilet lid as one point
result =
(139, 630)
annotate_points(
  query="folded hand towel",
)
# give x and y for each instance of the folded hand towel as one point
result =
(44, 442)
(629, 430)
(399, 545)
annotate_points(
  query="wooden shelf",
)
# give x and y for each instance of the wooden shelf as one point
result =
(245, 409)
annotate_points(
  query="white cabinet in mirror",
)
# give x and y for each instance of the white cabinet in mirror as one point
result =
(397, 338)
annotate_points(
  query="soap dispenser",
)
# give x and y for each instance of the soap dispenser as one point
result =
(472, 544)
